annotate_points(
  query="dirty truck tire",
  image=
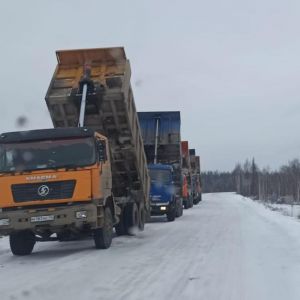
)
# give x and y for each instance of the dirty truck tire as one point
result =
(120, 228)
(22, 242)
(171, 214)
(179, 210)
(142, 217)
(186, 204)
(191, 202)
(103, 236)
(131, 216)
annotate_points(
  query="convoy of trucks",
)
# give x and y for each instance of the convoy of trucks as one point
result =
(102, 167)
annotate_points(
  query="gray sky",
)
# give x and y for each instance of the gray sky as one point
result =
(231, 67)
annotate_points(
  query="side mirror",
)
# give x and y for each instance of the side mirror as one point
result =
(101, 149)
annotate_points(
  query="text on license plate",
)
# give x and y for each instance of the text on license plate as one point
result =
(42, 218)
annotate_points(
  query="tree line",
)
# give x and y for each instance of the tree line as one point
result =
(282, 185)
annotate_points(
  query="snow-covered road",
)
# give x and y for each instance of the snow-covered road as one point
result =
(227, 247)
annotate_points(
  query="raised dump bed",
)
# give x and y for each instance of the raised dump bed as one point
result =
(168, 139)
(110, 110)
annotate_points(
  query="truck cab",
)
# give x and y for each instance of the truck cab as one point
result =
(162, 191)
(55, 181)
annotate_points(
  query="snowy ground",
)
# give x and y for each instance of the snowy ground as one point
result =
(227, 248)
(285, 209)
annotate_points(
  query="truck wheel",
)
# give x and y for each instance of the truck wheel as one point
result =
(103, 236)
(142, 216)
(181, 208)
(179, 211)
(171, 214)
(131, 217)
(191, 202)
(120, 228)
(186, 204)
(22, 242)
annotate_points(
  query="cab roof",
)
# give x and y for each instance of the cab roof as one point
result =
(45, 134)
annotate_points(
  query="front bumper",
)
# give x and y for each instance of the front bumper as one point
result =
(64, 217)
(158, 209)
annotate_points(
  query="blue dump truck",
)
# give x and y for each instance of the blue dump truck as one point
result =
(162, 144)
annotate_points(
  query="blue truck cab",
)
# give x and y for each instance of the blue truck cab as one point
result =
(162, 190)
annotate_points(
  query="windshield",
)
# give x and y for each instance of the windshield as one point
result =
(18, 157)
(160, 176)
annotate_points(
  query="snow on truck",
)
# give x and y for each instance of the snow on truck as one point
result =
(161, 135)
(88, 174)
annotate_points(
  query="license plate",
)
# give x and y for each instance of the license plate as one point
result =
(42, 218)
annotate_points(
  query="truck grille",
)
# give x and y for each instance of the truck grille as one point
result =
(43, 191)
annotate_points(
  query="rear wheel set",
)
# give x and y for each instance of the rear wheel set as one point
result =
(133, 217)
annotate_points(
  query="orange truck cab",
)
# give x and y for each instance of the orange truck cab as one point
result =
(54, 181)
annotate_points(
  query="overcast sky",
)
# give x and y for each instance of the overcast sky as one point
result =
(231, 67)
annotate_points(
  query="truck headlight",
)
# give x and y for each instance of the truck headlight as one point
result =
(81, 214)
(4, 222)
(163, 208)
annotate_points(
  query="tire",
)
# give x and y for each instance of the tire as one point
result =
(120, 228)
(103, 236)
(131, 216)
(179, 211)
(186, 204)
(22, 242)
(171, 214)
(195, 200)
(142, 217)
(129, 219)
(181, 208)
(191, 202)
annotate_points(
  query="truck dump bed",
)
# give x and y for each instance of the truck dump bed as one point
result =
(168, 150)
(198, 168)
(192, 153)
(186, 162)
(195, 176)
(110, 110)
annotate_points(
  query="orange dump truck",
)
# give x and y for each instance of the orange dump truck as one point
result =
(89, 173)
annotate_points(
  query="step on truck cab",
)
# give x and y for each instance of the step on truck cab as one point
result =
(88, 174)
(161, 136)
